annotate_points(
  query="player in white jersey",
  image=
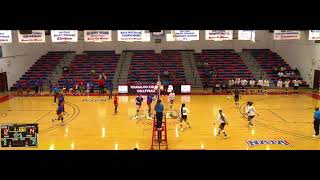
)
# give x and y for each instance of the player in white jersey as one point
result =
(231, 83)
(184, 116)
(243, 83)
(296, 84)
(237, 81)
(171, 97)
(279, 85)
(222, 121)
(286, 85)
(260, 85)
(252, 83)
(251, 112)
(266, 85)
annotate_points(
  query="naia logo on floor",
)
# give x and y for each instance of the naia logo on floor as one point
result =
(261, 142)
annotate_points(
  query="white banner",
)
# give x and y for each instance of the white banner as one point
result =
(286, 35)
(133, 35)
(249, 35)
(219, 35)
(314, 35)
(97, 35)
(64, 35)
(183, 35)
(37, 36)
(5, 36)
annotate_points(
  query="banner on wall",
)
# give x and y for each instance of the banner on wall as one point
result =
(133, 36)
(286, 35)
(249, 35)
(97, 35)
(314, 35)
(219, 35)
(183, 35)
(5, 36)
(64, 35)
(37, 36)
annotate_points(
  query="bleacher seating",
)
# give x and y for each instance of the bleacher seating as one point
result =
(227, 64)
(41, 69)
(147, 65)
(268, 59)
(100, 61)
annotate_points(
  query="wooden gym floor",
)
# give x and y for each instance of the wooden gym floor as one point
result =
(92, 124)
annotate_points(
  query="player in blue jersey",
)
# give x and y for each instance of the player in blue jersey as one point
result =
(61, 102)
(59, 113)
(56, 92)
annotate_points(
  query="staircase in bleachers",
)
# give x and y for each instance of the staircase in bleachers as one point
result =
(268, 59)
(42, 68)
(147, 65)
(81, 66)
(226, 63)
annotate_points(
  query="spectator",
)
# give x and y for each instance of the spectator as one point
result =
(275, 70)
(65, 69)
(296, 71)
(280, 74)
(93, 72)
(166, 74)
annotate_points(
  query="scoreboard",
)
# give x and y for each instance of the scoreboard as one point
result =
(19, 135)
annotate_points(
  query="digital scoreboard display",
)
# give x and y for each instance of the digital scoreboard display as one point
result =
(19, 135)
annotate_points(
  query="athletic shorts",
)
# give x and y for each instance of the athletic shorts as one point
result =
(183, 118)
(259, 86)
(222, 126)
(295, 87)
(250, 118)
(138, 106)
(171, 101)
(236, 99)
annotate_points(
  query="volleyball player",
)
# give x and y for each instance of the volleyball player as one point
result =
(36, 87)
(184, 116)
(150, 98)
(59, 113)
(286, 85)
(28, 87)
(279, 84)
(296, 84)
(266, 85)
(19, 88)
(139, 101)
(81, 84)
(61, 102)
(115, 102)
(171, 97)
(251, 112)
(260, 85)
(252, 83)
(222, 120)
(236, 98)
(56, 92)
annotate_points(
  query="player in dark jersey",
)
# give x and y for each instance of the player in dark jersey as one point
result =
(139, 101)
(115, 102)
(150, 98)
(61, 102)
(59, 113)
(236, 98)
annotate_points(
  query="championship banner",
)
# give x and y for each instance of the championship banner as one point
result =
(314, 35)
(133, 36)
(183, 35)
(219, 35)
(97, 35)
(249, 35)
(286, 35)
(37, 36)
(64, 35)
(5, 36)
(152, 88)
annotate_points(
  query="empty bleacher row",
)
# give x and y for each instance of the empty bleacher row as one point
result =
(147, 65)
(82, 65)
(41, 69)
(226, 63)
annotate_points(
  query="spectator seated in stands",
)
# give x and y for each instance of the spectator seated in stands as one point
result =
(166, 74)
(274, 70)
(280, 74)
(65, 69)
(93, 72)
(296, 71)
(200, 65)
(282, 69)
(205, 65)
